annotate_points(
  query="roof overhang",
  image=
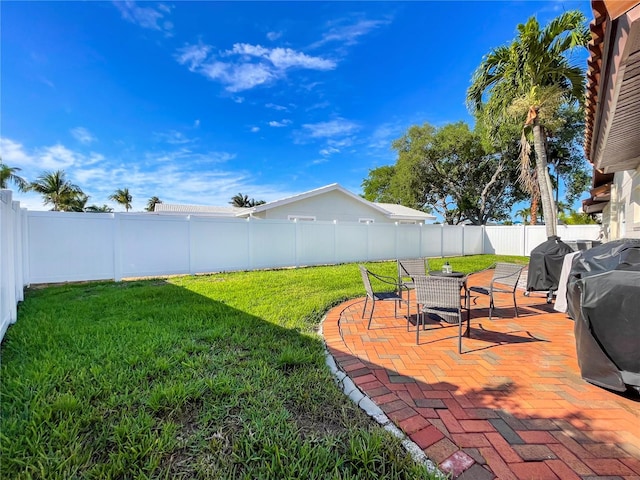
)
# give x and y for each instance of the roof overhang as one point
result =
(612, 142)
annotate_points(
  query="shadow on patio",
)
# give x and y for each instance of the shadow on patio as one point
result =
(512, 406)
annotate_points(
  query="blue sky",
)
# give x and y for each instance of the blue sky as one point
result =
(194, 102)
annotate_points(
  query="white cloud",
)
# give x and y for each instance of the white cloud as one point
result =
(283, 123)
(193, 55)
(255, 129)
(333, 128)
(274, 35)
(145, 17)
(325, 152)
(83, 135)
(246, 66)
(173, 137)
(348, 34)
(238, 99)
(196, 123)
(276, 107)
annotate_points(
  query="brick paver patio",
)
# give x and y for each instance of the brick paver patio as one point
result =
(512, 406)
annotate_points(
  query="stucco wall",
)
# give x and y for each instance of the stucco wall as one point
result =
(330, 206)
(623, 211)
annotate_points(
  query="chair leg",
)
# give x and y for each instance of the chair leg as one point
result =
(491, 306)
(459, 333)
(366, 299)
(515, 305)
(418, 321)
(373, 307)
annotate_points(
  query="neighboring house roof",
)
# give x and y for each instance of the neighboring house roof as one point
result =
(201, 209)
(392, 211)
(400, 212)
(314, 193)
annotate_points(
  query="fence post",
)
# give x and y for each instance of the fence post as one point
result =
(442, 241)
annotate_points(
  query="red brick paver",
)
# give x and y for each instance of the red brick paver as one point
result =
(514, 398)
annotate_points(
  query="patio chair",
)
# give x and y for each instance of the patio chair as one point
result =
(505, 280)
(394, 296)
(408, 268)
(441, 296)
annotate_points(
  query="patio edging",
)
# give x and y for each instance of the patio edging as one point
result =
(365, 402)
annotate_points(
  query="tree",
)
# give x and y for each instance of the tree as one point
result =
(531, 79)
(56, 190)
(243, 201)
(447, 170)
(123, 197)
(577, 218)
(524, 214)
(376, 186)
(8, 174)
(151, 203)
(96, 209)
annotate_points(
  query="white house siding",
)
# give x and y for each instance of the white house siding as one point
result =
(623, 212)
(333, 205)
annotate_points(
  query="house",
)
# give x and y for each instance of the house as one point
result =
(329, 203)
(612, 133)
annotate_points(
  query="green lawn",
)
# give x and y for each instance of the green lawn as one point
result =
(216, 376)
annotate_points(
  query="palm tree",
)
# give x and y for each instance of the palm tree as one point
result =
(151, 203)
(123, 197)
(524, 214)
(530, 80)
(96, 209)
(55, 189)
(241, 201)
(8, 174)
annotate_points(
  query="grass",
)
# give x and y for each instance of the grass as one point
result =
(218, 376)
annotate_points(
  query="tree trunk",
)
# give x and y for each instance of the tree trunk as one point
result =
(535, 201)
(544, 180)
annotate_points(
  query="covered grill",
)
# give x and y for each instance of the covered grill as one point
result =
(545, 265)
(603, 295)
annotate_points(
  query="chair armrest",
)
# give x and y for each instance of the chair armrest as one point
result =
(385, 279)
(490, 267)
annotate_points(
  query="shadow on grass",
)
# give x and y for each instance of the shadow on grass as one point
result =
(149, 379)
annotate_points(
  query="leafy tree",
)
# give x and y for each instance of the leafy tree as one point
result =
(56, 190)
(151, 203)
(577, 218)
(75, 202)
(448, 170)
(531, 80)
(377, 186)
(8, 174)
(123, 197)
(243, 201)
(96, 209)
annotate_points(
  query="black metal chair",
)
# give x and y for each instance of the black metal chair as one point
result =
(505, 280)
(393, 296)
(441, 296)
(408, 269)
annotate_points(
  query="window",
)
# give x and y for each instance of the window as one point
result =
(366, 220)
(302, 218)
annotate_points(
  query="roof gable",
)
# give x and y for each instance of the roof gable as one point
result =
(314, 193)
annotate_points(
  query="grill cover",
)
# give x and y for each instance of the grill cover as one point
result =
(545, 264)
(603, 297)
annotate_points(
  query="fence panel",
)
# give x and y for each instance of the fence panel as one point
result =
(66, 247)
(409, 240)
(149, 245)
(473, 240)
(273, 243)
(316, 243)
(382, 240)
(505, 240)
(219, 244)
(432, 241)
(452, 240)
(352, 242)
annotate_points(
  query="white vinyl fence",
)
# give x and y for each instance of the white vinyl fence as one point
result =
(46, 247)
(12, 259)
